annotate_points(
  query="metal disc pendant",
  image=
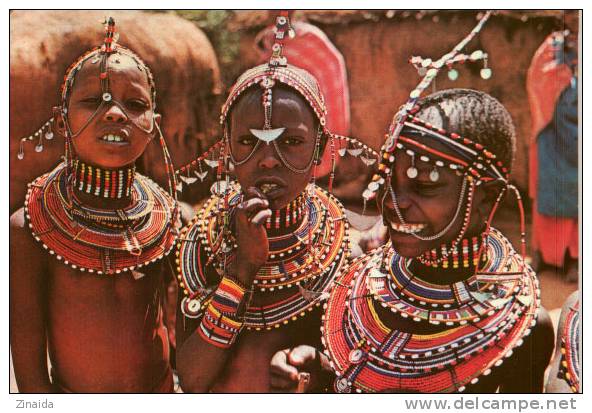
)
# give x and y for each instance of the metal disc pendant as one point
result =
(412, 172)
(434, 175)
(485, 73)
(342, 386)
(107, 96)
(453, 74)
(356, 356)
(49, 135)
(38, 148)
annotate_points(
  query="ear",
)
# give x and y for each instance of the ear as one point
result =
(58, 120)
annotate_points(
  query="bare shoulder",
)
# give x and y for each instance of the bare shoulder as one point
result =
(23, 247)
(17, 219)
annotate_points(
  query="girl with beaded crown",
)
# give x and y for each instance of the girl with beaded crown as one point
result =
(97, 309)
(258, 258)
(447, 305)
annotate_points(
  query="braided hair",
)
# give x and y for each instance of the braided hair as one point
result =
(474, 115)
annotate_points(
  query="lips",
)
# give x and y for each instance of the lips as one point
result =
(119, 137)
(270, 185)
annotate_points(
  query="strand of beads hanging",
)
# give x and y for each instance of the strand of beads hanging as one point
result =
(299, 269)
(104, 183)
(475, 325)
(462, 254)
(569, 365)
(432, 67)
(97, 240)
(424, 65)
(45, 132)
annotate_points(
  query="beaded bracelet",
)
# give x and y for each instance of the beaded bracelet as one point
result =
(220, 325)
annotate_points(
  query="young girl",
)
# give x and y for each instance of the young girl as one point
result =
(447, 305)
(97, 308)
(261, 254)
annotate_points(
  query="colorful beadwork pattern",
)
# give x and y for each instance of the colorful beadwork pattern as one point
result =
(569, 366)
(101, 241)
(305, 269)
(486, 319)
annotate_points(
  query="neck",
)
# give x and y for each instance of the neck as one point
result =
(288, 219)
(450, 263)
(102, 188)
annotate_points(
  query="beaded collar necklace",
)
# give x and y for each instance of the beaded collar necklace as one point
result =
(569, 366)
(489, 315)
(96, 240)
(104, 183)
(303, 260)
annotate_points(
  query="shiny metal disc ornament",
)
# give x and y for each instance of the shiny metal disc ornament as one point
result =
(412, 172)
(485, 73)
(434, 175)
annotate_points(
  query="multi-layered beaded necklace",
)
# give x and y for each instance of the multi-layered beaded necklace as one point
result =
(308, 244)
(487, 316)
(97, 240)
(569, 366)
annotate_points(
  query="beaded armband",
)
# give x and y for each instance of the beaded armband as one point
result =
(221, 322)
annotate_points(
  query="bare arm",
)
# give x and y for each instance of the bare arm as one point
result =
(199, 362)
(525, 372)
(28, 309)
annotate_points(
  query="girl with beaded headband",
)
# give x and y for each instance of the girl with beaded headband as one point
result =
(95, 214)
(258, 258)
(447, 305)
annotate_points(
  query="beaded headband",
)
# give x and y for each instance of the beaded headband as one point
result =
(95, 55)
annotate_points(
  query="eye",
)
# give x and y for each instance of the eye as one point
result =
(291, 140)
(91, 100)
(137, 105)
(428, 188)
(247, 140)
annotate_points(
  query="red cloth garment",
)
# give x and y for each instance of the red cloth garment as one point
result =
(552, 236)
(312, 50)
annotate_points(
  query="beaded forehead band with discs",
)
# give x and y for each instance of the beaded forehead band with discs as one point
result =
(471, 160)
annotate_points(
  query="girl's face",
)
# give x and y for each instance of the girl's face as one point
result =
(265, 169)
(426, 206)
(114, 137)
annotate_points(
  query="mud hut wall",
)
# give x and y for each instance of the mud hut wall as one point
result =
(376, 52)
(184, 64)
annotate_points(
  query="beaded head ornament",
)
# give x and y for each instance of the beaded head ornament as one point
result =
(100, 55)
(268, 76)
(471, 160)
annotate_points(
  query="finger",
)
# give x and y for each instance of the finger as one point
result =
(254, 192)
(261, 216)
(251, 205)
(301, 355)
(279, 366)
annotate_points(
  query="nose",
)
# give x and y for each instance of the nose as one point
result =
(269, 159)
(115, 114)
